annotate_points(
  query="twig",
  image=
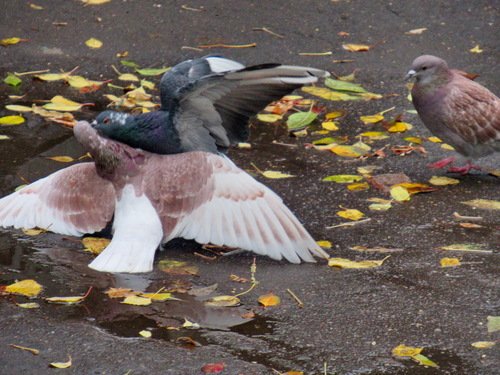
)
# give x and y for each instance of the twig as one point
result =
(222, 45)
(297, 299)
(284, 144)
(266, 30)
(206, 257)
(327, 53)
(33, 72)
(457, 216)
(351, 224)
(192, 48)
(185, 7)
(253, 270)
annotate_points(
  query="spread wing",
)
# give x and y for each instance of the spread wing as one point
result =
(205, 197)
(72, 201)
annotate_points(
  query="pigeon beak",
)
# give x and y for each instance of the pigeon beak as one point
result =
(411, 73)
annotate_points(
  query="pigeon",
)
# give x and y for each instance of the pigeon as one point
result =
(205, 105)
(154, 198)
(456, 109)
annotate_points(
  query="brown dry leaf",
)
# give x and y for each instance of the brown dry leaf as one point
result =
(269, 299)
(62, 364)
(351, 264)
(356, 47)
(31, 350)
(449, 262)
(28, 288)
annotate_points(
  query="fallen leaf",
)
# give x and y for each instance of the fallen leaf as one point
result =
(351, 264)
(244, 145)
(61, 104)
(348, 151)
(95, 2)
(269, 299)
(293, 373)
(34, 231)
(379, 206)
(11, 120)
(326, 53)
(238, 279)
(378, 249)
(128, 77)
(324, 244)
(12, 80)
(120, 292)
(213, 368)
(446, 146)
(343, 178)
(4, 137)
(470, 247)
(416, 31)
(28, 288)
(367, 169)
(326, 93)
(300, 120)
(356, 47)
(152, 71)
(190, 325)
(406, 351)
(476, 49)
(416, 140)
(95, 245)
(93, 43)
(266, 117)
(449, 262)
(371, 119)
(62, 364)
(10, 41)
(483, 344)
(223, 301)
(470, 225)
(424, 361)
(159, 296)
(493, 324)
(175, 267)
(351, 214)
(342, 85)
(276, 174)
(66, 300)
(145, 334)
(375, 135)
(399, 127)
(31, 350)
(36, 7)
(484, 204)
(435, 140)
(359, 186)
(329, 125)
(29, 305)
(136, 301)
(400, 194)
(18, 108)
(443, 181)
(61, 159)
(333, 115)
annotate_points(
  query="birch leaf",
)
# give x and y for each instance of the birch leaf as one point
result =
(267, 117)
(400, 194)
(128, 77)
(443, 181)
(351, 214)
(93, 43)
(449, 262)
(343, 178)
(11, 120)
(28, 288)
(137, 301)
(223, 301)
(152, 71)
(324, 244)
(95, 245)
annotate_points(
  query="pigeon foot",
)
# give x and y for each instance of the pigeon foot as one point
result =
(465, 169)
(441, 163)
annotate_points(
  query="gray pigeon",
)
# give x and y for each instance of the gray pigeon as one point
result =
(205, 105)
(456, 109)
(155, 198)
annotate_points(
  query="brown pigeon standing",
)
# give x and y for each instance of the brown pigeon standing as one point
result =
(456, 109)
(155, 198)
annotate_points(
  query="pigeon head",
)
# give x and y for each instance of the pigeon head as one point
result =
(109, 122)
(428, 69)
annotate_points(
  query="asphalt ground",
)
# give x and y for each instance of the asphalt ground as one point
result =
(350, 319)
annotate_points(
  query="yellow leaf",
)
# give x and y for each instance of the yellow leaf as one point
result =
(95, 2)
(276, 174)
(375, 135)
(442, 181)
(435, 139)
(324, 244)
(72, 300)
(93, 43)
(11, 120)
(62, 364)
(52, 76)
(329, 125)
(18, 108)
(4, 137)
(158, 296)
(328, 94)
(380, 206)
(29, 305)
(190, 325)
(244, 145)
(79, 82)
(356, 47)
(61, 159)
(36, 7)
(371, 119)
(33, 231)
(351, 214)
(28, 288)
(358, 186)
(128, 77)
(269, 299)
(223, 301)
(484, 204)
(343, 178)
(10, 41)
(483, 344)
(447, 147)
(406, 351)
(469, 247)
(120, 292)
(137, 301)
(267, 117)
(449, 262)
(334, 115)
(95, 245)
(399, 127)
(31, 350)
(367, 169)
(416, 140)
(416, 31)
(60, 103)
(345, 151)
(476, 49)
(176, 267)
(146, 334)
(293, 373)
(347, 263)
(400, 194)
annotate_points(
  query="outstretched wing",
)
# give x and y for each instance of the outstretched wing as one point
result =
(212, 112)
(72, 201)
(205, 197)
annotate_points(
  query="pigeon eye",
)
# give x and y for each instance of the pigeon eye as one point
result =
(424, 68)
(106, 120)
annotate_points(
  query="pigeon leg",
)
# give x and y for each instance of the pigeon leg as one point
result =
(441, 163)
(465, 168)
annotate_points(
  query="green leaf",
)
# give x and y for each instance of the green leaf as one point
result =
(152, 72)
(129, 63)
(493, 324)
(424, 361)
(12, 80)
(300, 120)
(335, 84)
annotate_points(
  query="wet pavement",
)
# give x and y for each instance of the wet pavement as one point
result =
(351, 319)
